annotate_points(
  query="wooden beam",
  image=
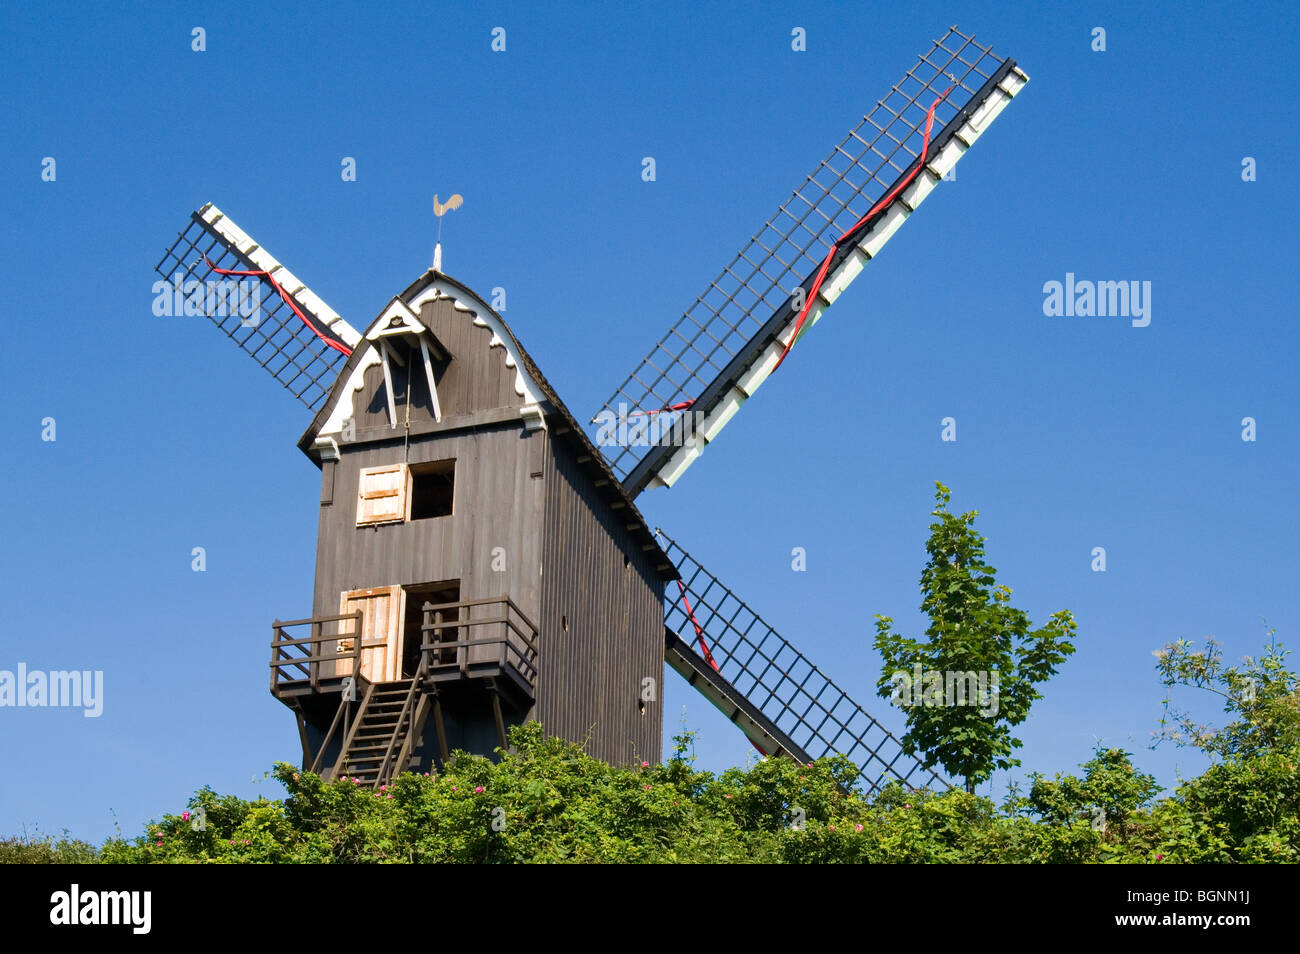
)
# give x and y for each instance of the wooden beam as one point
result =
(428, 373)
(442, 729)
(496, 711)
(302, 736)
(388, 384)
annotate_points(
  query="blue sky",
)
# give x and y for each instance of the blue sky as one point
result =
(1072, 432)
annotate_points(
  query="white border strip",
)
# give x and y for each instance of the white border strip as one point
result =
(224, 226)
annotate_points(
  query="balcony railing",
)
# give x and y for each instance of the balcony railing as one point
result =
(473, 636)
(319, 656)
(462, 640)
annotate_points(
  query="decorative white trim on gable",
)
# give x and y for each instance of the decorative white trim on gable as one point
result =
(395, 319)
(533, 417)
(485, 317)
(399, 318)
(342, 410)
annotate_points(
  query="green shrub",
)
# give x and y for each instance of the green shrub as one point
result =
(546, 801)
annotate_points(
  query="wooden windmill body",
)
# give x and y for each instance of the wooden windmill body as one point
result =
(493, 513)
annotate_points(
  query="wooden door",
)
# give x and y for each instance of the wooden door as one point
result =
(381, 630)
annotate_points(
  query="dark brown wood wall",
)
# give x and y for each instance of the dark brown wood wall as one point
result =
(475, 379)
(497, 504)
(591, 675)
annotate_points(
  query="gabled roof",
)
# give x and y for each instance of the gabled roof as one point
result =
(540, 400)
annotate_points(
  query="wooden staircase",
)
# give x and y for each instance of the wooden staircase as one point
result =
(386, 732)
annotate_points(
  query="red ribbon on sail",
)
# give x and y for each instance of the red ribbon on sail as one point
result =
(334, 343)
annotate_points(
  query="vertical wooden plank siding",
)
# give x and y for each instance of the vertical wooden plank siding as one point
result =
(592, 674)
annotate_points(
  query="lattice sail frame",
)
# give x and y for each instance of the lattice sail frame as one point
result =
(728, 341)
(815, 713)
(278, 340)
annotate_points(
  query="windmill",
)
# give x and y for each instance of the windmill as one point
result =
(480, 556)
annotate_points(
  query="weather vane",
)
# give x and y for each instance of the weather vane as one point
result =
(440, 209)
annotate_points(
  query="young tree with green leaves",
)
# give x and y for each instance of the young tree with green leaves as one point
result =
(973, 630)
(1262, 694)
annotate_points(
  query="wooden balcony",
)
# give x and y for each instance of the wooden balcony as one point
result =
(479, 639)
(311, 656)
(483, 639)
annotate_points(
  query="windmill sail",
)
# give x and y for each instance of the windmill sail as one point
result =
(217, 270)
(737, 331)
(777, 697)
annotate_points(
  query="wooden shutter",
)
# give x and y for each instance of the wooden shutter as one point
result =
(381, 497)
(381, 629)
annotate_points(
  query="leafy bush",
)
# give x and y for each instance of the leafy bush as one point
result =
(45, 850)
(546, 801)
(1262, 693)
(1110, 791)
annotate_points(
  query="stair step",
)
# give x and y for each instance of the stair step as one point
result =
(385, 724)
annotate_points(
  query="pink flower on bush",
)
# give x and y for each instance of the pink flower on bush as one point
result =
(390, 795)
(831, 827)
(453, 788)
(1158, 857)
(859, 827)
(726, 796)
(159, 842)
(185, 816)
(908, 805)
(645, 764)
(478, 789)
(245, 841)
(647, 788)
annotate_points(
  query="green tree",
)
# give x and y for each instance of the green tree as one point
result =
(1262, 693)
(973, 629)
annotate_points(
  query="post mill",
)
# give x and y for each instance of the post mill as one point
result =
(480, 557)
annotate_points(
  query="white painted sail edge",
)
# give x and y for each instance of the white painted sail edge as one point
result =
(224, 226)
(835, 283)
